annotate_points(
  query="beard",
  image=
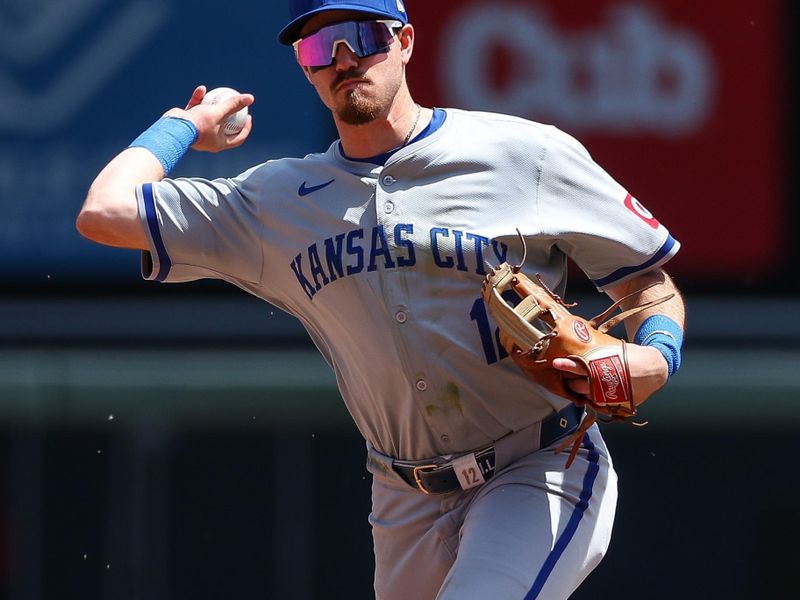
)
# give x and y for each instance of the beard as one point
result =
(360, 105)
(358, 109)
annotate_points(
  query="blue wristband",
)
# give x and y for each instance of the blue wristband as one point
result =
(168, 139)
(666, 336)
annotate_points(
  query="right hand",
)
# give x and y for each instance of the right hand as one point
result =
(210, 118)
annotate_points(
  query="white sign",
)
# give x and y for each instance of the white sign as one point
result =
(633, 73)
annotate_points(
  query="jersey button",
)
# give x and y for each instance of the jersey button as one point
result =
(422, 385)
(446, 438)
(388, 180)
(388, 208)
(400, 316)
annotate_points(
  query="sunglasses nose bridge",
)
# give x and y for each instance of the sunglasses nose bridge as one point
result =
(348, 54)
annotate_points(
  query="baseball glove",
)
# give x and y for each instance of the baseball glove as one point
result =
(541, 328)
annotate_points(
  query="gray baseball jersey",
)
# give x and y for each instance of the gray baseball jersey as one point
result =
(383, 264)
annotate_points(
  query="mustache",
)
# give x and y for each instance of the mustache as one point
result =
(346, 76)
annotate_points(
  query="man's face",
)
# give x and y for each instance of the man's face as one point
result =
(357, 90)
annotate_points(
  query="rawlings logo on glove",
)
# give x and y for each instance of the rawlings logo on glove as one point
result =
(541, 328)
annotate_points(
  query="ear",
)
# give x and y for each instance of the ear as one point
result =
(406, 37)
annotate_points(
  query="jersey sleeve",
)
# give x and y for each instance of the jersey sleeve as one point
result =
(199, 229)
(609, 234)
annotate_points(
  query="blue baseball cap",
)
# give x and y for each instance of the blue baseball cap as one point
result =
(302, 10)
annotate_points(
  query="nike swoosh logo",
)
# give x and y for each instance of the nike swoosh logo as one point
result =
(305, 191)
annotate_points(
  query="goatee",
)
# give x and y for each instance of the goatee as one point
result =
(358, 110)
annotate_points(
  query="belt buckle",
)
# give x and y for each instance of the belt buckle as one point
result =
(418, 481)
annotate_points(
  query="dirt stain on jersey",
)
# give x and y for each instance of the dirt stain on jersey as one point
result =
(449, 399)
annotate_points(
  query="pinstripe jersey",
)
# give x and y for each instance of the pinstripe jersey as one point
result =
(383, 264)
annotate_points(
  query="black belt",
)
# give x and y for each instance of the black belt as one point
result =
(443, 478)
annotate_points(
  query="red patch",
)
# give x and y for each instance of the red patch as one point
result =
(637, 208)
(582, 331)
(609, 379)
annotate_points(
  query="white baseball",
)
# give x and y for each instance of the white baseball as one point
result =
(236, 121)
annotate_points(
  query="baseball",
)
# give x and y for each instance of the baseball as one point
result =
(236, 121)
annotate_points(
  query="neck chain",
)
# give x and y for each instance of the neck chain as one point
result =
(413, 127)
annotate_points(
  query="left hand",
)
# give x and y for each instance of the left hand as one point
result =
(647, 366)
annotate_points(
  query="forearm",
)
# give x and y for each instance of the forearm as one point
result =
(662, 286)
(657, 331)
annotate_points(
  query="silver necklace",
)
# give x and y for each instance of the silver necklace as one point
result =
(413, 127)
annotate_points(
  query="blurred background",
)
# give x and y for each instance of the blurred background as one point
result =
(168, 442)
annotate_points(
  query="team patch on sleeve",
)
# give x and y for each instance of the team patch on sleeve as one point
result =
(637, 208)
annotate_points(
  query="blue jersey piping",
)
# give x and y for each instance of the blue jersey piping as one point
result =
(665, 250)
(164, 263)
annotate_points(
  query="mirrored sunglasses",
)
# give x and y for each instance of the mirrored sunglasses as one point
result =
(364, 38)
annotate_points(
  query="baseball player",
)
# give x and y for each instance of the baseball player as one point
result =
(379, 245)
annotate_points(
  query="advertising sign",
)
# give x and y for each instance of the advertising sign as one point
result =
(680, 101)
